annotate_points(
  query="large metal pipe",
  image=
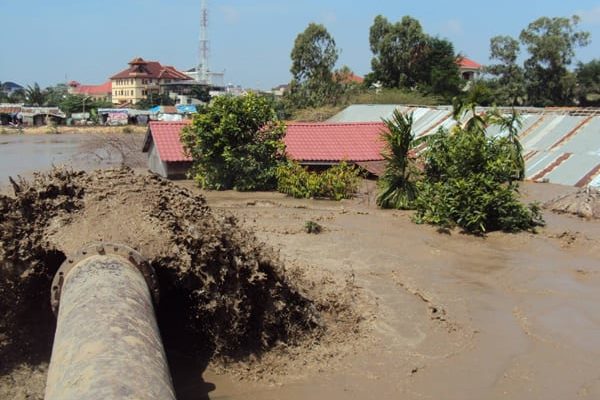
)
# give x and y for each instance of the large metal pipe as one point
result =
(107, 343)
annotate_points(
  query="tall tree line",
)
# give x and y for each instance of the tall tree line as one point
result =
(406, 57)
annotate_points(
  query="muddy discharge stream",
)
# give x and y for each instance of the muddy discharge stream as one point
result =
(226, 297)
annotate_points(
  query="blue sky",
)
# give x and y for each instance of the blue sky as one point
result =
(89, 40)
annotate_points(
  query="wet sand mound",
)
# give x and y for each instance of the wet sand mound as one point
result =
(583, 203)
(223, 294)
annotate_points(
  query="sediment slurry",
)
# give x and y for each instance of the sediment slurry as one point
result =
(582, 203)
(224, 295)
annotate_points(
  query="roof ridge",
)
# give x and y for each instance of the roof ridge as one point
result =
(337, 123)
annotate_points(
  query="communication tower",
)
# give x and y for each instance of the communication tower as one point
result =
(204, 48)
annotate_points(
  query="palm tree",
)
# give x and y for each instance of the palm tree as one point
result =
(511, 124)
(397, 188)
(34, 95)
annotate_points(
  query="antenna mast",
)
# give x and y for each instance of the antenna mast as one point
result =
(203, 71)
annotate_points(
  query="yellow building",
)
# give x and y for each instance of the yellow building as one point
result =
(142, 79)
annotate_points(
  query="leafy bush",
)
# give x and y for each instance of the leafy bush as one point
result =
(468, 179)
(470, 183)
(236, 143)
(338, 182)
(312, 227)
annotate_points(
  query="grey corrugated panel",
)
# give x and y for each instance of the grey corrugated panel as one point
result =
(565, 125)
(573, 170)
(418, 114)
(448, 124)
(538, 162)
(364, 113)
(547, 123)
(527, 120)
(586, 140)
(428, 119)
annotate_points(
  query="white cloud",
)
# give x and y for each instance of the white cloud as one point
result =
(231, 14)
(591, 17)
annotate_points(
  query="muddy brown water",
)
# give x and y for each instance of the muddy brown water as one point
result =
(24, 154)
(509, 316)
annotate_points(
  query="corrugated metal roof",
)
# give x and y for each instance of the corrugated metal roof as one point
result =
(560, 145)
(364, 113)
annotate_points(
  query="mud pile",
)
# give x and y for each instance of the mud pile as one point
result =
(583, 203)
(223, 294)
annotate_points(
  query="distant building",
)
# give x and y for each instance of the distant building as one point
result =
(101, 92)
(142, 79)
(348, 77)
(280, 90)
(469, 69)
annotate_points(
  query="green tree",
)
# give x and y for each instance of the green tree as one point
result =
(76, 103)
(54, 95)
(470, 179)
(313, 59)
(3, 94)
(551, 44)
(510, 79)
(397, 50)
(17, 97)
(200, 92)
(153, 100)
(34, 95)
(397, 187)
(588, 83)
(404, 56)
(236, 143)
(440, 74)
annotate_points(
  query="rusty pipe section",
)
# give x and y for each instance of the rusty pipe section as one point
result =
(107, 343)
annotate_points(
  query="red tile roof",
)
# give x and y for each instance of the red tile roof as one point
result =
(332, 142)
(465, 62)
(104, 89)
(139, 68)
(326, 142)
(167, 141)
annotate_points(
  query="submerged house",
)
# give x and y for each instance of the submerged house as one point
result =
(323, 144)
(316, 145)
(166, 156)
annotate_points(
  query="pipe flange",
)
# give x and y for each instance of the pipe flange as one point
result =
(128, 253)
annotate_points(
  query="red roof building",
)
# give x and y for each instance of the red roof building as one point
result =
(330, 143)
(306, 143)
(468, 68)
(166, 156)
(100, 92)
(141, 79)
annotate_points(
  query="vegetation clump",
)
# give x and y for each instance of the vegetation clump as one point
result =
(338, 182)
(313, 227)
(468, 179)
(397, 184)
(236, 143)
